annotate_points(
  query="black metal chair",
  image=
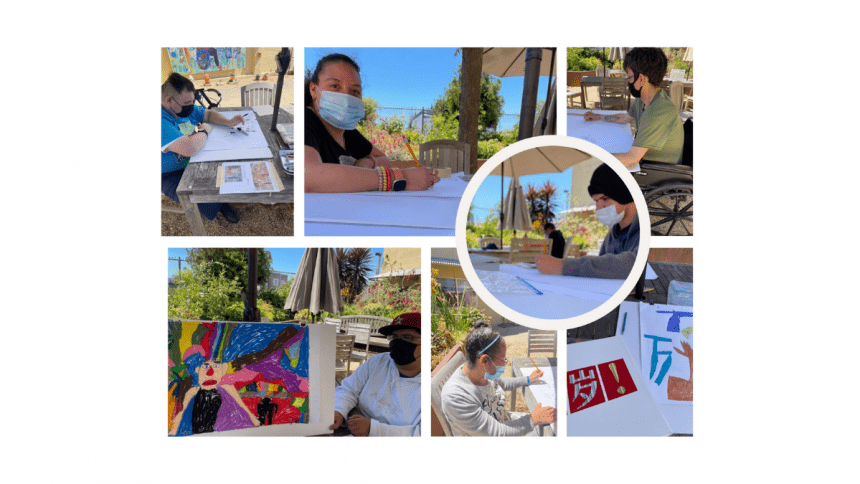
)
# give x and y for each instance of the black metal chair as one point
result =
(668, 190)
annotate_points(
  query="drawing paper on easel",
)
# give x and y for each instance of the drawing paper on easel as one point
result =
(230, 376)
(242, 142)
(666, 346)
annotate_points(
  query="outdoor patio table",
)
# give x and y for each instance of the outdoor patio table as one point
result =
(432, 212)
(198, 181)
(522, 367)
(607, 325)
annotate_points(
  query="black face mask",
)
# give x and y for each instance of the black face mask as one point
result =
(633, 91)
(402, 352)
(186, 110)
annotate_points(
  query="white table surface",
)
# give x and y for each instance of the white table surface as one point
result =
(432, 212)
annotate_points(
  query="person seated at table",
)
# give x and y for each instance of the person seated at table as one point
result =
(557, 240)
(473, 398)
(659, 130)
(384, 392)
(179, 141)
(337, 157)
(615, 208)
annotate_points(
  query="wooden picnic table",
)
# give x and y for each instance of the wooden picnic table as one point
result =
(606, 326)
(198, 181)
(523, 366)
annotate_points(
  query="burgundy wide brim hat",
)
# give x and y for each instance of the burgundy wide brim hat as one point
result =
(403, 321)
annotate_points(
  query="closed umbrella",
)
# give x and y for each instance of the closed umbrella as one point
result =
(516, 208)
(283, 60)
(317, 283)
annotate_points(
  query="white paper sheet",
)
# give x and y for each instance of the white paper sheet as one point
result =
(548, 306)
(544, 390)
(612, 137)
(607, 287)
(632, 414)
(247, 177)
(500, 283)
(392, 212)
(666, 333)
(225, 143)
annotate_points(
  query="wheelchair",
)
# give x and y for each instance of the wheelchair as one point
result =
(668, 190)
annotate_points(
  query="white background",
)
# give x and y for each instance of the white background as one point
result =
(775, 248)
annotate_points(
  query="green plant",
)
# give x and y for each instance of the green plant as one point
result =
(203, 293)
(583, 59)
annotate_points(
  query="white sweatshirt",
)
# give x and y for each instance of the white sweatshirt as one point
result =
(391, 402)
(480, 410)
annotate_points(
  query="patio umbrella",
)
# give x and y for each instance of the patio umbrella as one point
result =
(317, 283)
(618, 53)
(511, 61)
(688, 55)
(516, 208)
(544, 159)
(283, 60)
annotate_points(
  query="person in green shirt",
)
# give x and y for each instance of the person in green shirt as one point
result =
(659, 131)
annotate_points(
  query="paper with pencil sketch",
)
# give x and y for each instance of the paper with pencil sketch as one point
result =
(562, 283)
(243, 142)
(544, 389)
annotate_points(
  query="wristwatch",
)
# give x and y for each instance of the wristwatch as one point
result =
(399, 180)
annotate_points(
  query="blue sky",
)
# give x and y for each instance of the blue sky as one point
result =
(489, 195)
(416, 77)
(283, 260)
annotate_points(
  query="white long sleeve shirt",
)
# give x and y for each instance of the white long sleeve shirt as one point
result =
(392, 402)
(480, 410)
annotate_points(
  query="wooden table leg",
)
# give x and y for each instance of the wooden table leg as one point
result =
(192, 214)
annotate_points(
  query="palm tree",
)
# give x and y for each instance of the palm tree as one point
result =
(354, 266)
(540, 202)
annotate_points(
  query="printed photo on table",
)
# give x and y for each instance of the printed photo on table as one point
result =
(555, 232)
(392, 135)
(226, 141)
(637, 103)
(294, 342)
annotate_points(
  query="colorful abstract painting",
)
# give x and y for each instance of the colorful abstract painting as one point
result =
(193, 60)
(667, 352)
(228, 376)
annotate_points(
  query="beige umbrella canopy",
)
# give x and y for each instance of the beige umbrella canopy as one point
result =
(545, 159)
(511, 62)
(317, 284)
(516, 209)
(688, 55)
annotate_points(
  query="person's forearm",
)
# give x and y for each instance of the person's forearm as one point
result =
(620, 118)
(332, 178)
(214, 117)
(609, 266)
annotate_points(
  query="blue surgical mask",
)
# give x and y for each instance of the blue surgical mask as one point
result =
(499, 371)
(340, 110)
(608, 215)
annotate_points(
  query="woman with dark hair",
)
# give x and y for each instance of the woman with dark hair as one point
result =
(473, 399)
(337, 157)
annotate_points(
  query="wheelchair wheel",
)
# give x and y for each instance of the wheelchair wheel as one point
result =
(671, 210)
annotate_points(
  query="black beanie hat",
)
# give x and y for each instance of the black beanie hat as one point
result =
(604, 180)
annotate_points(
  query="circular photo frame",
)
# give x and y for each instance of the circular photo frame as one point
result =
(551, 144)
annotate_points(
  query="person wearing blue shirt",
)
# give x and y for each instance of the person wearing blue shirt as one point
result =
(179, 140)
